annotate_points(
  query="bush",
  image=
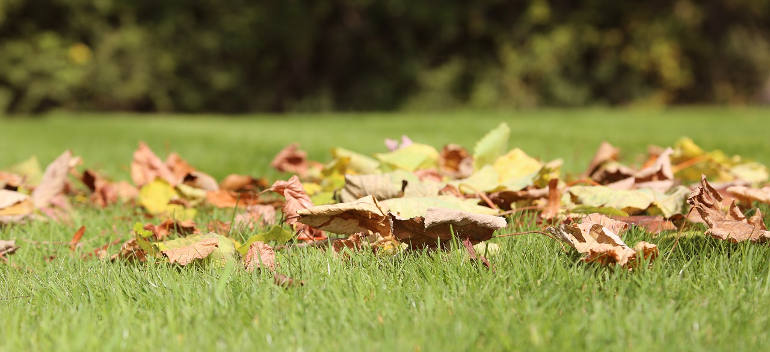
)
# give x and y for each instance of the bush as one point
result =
(238, 56)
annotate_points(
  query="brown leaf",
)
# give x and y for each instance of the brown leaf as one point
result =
(7, 247)
(603, 246)
(291, 159)
(749, 195)
(455, 162)
(10, 181)
(53, 182)
(472, 253)
(222, 198)
(650, 223)
(180, 227)
(130, 250)
(348, 218)
(105, 192)
(605, 153)
(380, 186)
(196, 250)
(259, 214)
(239, 183)
(201, 180)
(260, 255)
(76, 237)
(146, 166)
(439, 226)
(589, 221)
(726, 224)
(554, 200)
(660, 170)
(296, 199)
(178, 166)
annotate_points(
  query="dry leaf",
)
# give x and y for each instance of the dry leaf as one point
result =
(296, 199)
(146, 167)
(260, 215)
(554, 200)
(7, 247)
(726, 224)
(614, 226)
(381, 186)
(240, 183)
(184, 250)
(650, 223)
(605, 153)
(201, 180)
(455, 162)
(285, 281)
(260, 255)
(603, 246)
(749, 195)
(291, 159)
(53, 182)
(180, 227)
(130, 250)
(77, 237)
(660, 170)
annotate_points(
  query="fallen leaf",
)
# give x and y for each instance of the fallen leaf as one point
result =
(178, 166)
(53, 181)
(156, 195)
(295, 196)
(275, 234)
(554, 200)
(201, 180)
(285, 281)
(240, 183)
(7, 247)
(491, 146)
(614, 226)
(255, 215)
(30, 170)
(455, 162)
(130, 251)
(14, 206)
(76, 237)
(181, 227)
(441, 225)
(749, 195)
(606, 152)
(10, 181)
(355, 162)
(146, 167)
(259, 255)
(650, 223)
(410, 158)
(185, 250)
(603, 246)
(381, 186)
(725, 224)
(291, 159)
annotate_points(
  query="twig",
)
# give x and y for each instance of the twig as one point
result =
(481, 195)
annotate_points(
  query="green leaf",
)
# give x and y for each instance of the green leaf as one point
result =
(276, 234)
(410, 158)
(491, 146)
(358, 163)
(630, 201)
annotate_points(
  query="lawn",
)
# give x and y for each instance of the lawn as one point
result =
(702, 294)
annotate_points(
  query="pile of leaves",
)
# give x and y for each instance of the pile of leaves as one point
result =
(411, 196)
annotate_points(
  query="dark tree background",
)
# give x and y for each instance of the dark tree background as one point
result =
(239, 56)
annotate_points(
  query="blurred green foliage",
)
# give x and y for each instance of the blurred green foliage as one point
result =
(239, 55)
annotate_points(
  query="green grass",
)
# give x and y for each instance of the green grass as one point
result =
(702, 295)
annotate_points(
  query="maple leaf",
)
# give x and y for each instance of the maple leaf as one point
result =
(296, 199)
(606, 152)
(146, 167)
(381, 186)
(185, 250)
(259, 255)
(726, 224)
(602, 245)
(7, 247)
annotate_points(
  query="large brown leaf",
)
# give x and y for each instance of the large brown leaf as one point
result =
(184, 252)
(747, 194)
(725, 223)
(603, 246)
